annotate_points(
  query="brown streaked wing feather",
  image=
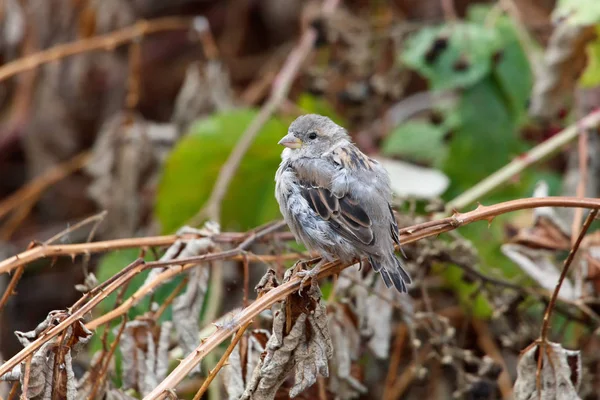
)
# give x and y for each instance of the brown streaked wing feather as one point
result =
(318, 204)
(352, 158)
(346, 217)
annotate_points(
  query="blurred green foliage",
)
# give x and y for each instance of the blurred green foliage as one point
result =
(191, 170)
(591, 75)
(577, 12)
(482, 60)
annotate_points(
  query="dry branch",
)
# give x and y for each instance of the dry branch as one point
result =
(408, 235)
(537, 154)
(281, 86)
(104, 42)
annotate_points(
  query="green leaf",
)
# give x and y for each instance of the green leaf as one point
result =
(192, 168)
(452, 56)
(577, 12)
(591, 75)
(485, 140)
(417, 141)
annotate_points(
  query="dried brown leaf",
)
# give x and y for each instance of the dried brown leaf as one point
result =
(541, 265)
(560, 375)
(51, 371)
(144, 346)
(304, 347)
(206, 89)
(126, 159)
(556, 77)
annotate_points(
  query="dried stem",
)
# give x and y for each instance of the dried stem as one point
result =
(409, 235)
(287, 288)
(537, 154)
(568, 261)
(106, 42)
(93, 219)
(113, 347)
(222, 361)
(32, 190)
(156, 315)
(396, 357)
(582, 150)
(26, 376)
(73, 250)
(281, 87)
(11, 286)
(13, 390)
(542, 341)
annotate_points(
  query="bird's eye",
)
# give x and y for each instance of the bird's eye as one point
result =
(312, 135)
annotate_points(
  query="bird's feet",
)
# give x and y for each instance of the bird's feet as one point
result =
(309, 274)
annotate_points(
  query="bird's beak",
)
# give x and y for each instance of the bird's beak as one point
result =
(290, 141)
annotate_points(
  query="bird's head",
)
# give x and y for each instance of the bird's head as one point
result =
(312, 135)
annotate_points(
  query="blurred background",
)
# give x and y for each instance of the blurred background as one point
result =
(142, 108)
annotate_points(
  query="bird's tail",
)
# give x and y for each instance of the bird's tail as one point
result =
(392, 271)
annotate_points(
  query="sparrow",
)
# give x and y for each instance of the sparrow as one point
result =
(336, 200)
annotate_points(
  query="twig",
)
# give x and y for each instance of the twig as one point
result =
(106, 42)
(93, 219)
(279, 91)
(113, 347)
(396, 357)
(542, 341)
(34, 189)
(538, 153)
(487, 343)
(409, 374)
(285, 289)
(582, 150)
(13, 390)
(586, 225)
(25, 384)
(224, 358)
(276, 294)
(11, 286)
(73, 250)
(16, 219)
(64, 324)
(133, 79)
(185, 264)
(156, 315)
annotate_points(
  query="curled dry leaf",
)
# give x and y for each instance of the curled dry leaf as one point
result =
(541, 265)
(206, 89)
(346, 343)
(187, 307)
(372, 309)
(145, 349)
(300, 342)
(116, 394)
(239, 370)
(51, 371)
(563, 63)
(126, 159)
(183, 248)
(560, 375)
(86, 384)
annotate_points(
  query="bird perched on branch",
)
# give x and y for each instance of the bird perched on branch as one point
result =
(336, 200)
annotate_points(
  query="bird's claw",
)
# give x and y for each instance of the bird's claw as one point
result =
(306, 275)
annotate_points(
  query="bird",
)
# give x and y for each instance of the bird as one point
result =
(336, 200)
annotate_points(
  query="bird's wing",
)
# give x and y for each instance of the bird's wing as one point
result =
(337, 206)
